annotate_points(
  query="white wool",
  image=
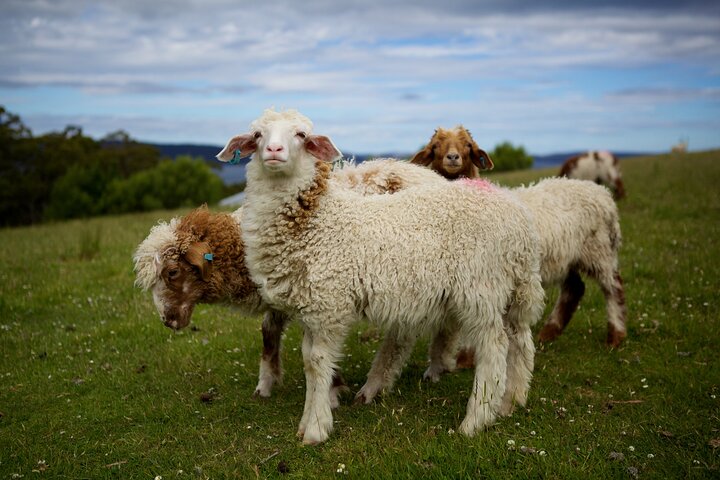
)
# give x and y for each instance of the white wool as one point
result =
(151, 250)
(576, 221)
(291, 117)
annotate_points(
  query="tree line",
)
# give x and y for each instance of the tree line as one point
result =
(62, 175)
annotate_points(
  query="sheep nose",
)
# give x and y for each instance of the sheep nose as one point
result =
(453, 156)
(274, 148)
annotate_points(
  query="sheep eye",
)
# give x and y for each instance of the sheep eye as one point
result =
(257, 135)
(302, 135)
(172, 274)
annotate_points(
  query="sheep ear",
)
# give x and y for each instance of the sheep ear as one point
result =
(322, 148)
(480, 158)
(197, 256)
(245, 143)
(424, 157)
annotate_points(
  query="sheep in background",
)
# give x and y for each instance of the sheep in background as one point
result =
(578, 226)
(453, 154)
(680, 147)
(331, 256)
(601, 167)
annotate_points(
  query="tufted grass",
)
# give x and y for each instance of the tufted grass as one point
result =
(93, 386)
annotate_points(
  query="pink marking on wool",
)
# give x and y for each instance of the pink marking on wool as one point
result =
(479, 183)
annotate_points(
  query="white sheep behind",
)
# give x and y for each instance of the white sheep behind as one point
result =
(331, 256)
(579, 232)
(601, 167)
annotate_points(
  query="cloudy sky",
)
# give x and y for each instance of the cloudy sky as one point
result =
(376, 75)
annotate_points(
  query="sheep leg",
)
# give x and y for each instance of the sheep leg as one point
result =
(616, 310)
(572, 290)
(442, 351)
(387, 364)
(520, 363)
(273, 325)
(322, 348)
(491, 351)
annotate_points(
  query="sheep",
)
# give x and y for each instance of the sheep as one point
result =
(171, 262)
(680, 147)
(454, 154)
(579, 231)
(330, 256)
(601, 167)
(199, 258)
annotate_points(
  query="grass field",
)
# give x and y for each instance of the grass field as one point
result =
(92, 385)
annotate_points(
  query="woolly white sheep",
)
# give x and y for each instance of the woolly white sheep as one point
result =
(330, 256)
(601, 167)
(579, 231)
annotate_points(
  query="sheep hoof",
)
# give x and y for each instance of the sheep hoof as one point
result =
(314, 436)
(615, 337)
(261, 393)
(363, 399)
(432, 374)
(549, 332)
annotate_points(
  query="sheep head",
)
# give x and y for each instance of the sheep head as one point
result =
(279, 142)
(176, 268)
(453, 153)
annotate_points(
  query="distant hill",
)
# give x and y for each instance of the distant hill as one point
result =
(236, 173)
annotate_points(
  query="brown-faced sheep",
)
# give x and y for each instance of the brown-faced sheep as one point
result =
(453, 154)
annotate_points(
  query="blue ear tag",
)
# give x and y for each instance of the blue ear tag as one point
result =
(236, 159)
(208, 257)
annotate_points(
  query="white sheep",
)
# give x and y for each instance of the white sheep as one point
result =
(330, 256)
(601, 167)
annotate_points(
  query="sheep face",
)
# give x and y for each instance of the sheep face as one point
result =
(279, 141)
(181, 284)
(453, 153)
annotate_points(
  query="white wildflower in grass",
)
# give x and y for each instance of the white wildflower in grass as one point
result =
(543, 453)
(341, 468)
(533, 433)
(631, 448)
(511, 444)
(696, 462)
(158, 477)
(450, 431)
(650, 456)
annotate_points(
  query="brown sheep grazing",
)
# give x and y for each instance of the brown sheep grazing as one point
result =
(200, 258)
(454, 154)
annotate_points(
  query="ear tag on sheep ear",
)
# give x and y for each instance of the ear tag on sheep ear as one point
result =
(208, 257)
(234, 161)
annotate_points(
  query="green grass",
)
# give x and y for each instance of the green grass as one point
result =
(93, 386)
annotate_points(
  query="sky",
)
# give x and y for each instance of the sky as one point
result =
(375, 75)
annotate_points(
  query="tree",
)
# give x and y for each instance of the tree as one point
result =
(185, 182)
(508, 157)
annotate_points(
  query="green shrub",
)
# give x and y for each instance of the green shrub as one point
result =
(507, 157)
